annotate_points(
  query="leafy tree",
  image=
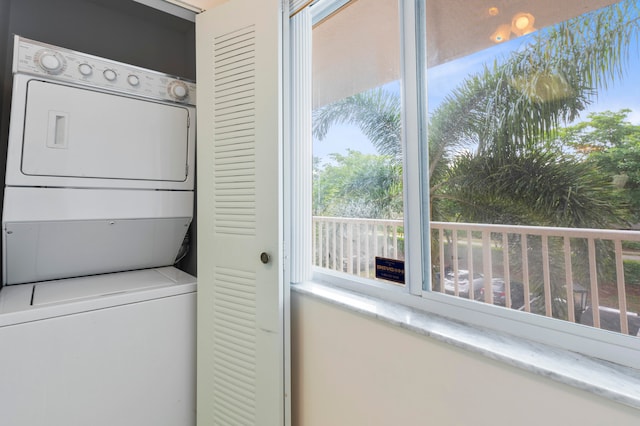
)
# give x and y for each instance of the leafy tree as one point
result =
(358, 185)
(509, 115)
(375, 112)
(491, 142)
(610, 143)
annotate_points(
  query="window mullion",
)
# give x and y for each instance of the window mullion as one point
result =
(412, 101)
(301, 147)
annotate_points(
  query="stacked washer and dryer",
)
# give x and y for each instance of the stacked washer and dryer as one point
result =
(96, 325)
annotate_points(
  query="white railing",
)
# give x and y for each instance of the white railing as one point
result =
(351, 245)
(559, 272)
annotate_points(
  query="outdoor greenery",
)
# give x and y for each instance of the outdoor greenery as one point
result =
(358, 185)
(503, 147)
(608, 142)
(494, 155)
(632, 272)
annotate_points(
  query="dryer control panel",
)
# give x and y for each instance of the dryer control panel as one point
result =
(40, 59)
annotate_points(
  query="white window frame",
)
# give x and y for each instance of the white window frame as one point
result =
(602, 344)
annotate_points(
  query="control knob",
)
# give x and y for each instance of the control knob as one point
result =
(110, 74)
(133, 80)
(178, 90)
(85, 69)
(51, 62)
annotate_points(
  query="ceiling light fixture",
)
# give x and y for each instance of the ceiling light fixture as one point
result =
(522, 23)
(502, 33)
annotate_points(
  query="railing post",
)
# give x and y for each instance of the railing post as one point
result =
(320, 245)
(326, 245)
(358, 248)
(375, 239)
(569, 279)
(546, 279)
(367, 248)
(506, 270)
(593, 275)
(622, 299)
(394, 233)
(454, 255)
(470, 262)
(442, 265)
(486, 266)
(314, 229)
(525, 272)
(349, 248)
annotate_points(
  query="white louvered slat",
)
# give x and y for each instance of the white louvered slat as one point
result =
(235, 335)
(234, 121)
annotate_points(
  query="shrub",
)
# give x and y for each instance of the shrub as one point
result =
(632, 272)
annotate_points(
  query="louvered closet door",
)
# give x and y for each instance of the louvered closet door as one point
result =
(240, 298)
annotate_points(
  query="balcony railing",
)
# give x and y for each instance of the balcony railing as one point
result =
(351, 245)
(579, 275)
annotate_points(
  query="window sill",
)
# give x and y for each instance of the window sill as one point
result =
(608, 380)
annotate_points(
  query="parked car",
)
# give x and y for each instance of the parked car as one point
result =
(499, 286)
(463, 283)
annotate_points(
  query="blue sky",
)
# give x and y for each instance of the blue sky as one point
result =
(441, 79)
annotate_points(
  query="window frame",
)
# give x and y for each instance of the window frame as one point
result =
(589, 341)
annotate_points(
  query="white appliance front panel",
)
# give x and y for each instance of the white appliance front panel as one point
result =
(79, 133)
(82, 288)
(133, 148)
(19, 303)
(127, 365)
(39, 251)
(32, 204)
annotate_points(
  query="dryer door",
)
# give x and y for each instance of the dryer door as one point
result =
(78, 133)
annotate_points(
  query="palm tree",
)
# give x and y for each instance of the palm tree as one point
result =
(509, 114)
(505, 120)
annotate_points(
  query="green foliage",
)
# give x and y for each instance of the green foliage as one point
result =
(631, 245)
(601, 130)
(510, 114)
(632, 272)
(493, 148)
(535, 187)
(358, 185)
(377, 114)
(515, 104)
(609, 143)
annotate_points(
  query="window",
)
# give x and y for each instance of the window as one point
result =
(520, 198)
(529, 115)
(358, 206)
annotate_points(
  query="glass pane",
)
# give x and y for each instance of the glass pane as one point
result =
(357, 176)
(534, 145)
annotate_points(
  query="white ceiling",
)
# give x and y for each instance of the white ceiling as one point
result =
(358, 48)
(362, 40)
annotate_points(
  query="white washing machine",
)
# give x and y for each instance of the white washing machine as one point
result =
(96, 325)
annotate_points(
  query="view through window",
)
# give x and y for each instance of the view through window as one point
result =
(534, 153)
(357, 176)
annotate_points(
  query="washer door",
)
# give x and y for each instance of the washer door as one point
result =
(79, 133)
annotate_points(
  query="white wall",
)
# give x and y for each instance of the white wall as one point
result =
(353, 370)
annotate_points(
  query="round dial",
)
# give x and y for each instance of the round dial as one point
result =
(51, 62)
(178, 90)
(133, 80)
(85, 69)
(110, 74)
